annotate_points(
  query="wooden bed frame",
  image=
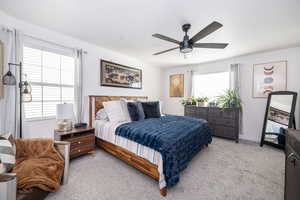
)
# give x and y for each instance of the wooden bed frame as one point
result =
(96, 103)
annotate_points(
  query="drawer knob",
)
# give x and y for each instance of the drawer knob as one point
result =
(79, 142)
(79, 150)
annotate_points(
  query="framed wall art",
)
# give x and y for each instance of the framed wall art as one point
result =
(1, 68)
(269, 77)
(116, 75)
(177, 85)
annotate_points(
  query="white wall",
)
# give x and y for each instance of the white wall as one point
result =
(253, 108)
(91, 72)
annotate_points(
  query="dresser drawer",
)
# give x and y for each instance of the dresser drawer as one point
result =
(224, 131)
(81, 150)
(83, 139)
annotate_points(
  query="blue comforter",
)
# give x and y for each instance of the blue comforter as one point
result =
(177, 138)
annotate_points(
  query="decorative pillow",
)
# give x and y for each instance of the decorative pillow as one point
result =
(124, 103)
(102, 115)
(7, 154)
(136, 111)
(114, 111)
(151, 109)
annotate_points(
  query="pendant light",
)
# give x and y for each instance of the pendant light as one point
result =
(9, 78)
(26, 91)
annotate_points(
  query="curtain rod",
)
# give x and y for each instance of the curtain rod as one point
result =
(33, 37)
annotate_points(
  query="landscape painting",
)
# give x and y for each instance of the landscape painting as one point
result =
(269, 77)
(177, 85)
(116, 75)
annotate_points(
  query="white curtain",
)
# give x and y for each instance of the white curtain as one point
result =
(9, 118)
(234, 77)
(79, 61)
(190, 91)
(235, 85)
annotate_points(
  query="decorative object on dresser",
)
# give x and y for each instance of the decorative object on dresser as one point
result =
(116, 75)
(82, 140)
(292, 165)
(223, 122)
(177, 85)
(269, 77)
(279, 116)
(64, 116)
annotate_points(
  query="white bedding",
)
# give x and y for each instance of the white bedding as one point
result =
(105, 130)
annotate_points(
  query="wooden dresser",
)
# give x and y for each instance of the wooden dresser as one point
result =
(82, 140)
(292, 165)
(224, 123)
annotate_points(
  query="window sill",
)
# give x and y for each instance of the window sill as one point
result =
(39, 119)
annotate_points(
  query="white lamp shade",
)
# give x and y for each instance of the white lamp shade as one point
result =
(64, 111)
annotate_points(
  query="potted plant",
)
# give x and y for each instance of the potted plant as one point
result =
(201, 101)
(188, 101)
(230, 99)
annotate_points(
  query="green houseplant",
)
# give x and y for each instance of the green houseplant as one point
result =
(230, 99)
(201, 101)
(189, 101)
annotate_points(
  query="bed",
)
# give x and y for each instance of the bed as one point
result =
(114, 138)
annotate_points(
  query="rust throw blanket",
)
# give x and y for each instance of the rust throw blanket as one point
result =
(38, 164)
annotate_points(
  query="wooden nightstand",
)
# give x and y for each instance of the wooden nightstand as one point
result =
(82, 140)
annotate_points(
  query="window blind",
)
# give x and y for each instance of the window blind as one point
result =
(50, 72)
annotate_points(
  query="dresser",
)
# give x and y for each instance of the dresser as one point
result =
(224, 123)
(82, 140)
(292, 165)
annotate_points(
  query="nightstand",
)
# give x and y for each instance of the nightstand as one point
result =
(82, 140)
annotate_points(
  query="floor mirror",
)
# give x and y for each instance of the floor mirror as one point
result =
(279, 116)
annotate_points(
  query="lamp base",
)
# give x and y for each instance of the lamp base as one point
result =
(64, 125)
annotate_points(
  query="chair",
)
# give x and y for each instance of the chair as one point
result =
(35, 193)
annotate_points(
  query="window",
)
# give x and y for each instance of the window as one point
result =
(210, 85)
(51, 75)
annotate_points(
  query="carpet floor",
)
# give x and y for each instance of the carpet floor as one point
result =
(223, 171)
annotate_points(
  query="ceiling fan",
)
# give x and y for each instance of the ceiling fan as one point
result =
(187, 45)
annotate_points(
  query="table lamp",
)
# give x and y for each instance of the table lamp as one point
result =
(64, 116)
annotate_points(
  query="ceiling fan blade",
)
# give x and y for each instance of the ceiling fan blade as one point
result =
(166, 38)
(165, 51)
(206, 31)
(211, 45)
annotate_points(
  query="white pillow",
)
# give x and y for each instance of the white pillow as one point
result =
(114, 111)
(125, 109)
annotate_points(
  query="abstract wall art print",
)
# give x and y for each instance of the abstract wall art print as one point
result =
(269, 77)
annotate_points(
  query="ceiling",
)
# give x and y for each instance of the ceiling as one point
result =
(127, 26)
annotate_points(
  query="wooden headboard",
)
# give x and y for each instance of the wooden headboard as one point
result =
(96, 103)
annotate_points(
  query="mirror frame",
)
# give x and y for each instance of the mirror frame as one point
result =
(292, 123)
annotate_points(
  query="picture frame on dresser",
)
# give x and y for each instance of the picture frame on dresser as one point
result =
(117, 75)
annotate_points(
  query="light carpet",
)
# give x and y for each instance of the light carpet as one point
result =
(223, 171)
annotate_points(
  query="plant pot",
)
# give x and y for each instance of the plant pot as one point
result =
(201, 104)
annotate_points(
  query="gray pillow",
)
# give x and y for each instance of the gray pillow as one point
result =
(136, 111)
(101, 115)
(7, 154)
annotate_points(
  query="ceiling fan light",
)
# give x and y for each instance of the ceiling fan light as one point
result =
(186, 50)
